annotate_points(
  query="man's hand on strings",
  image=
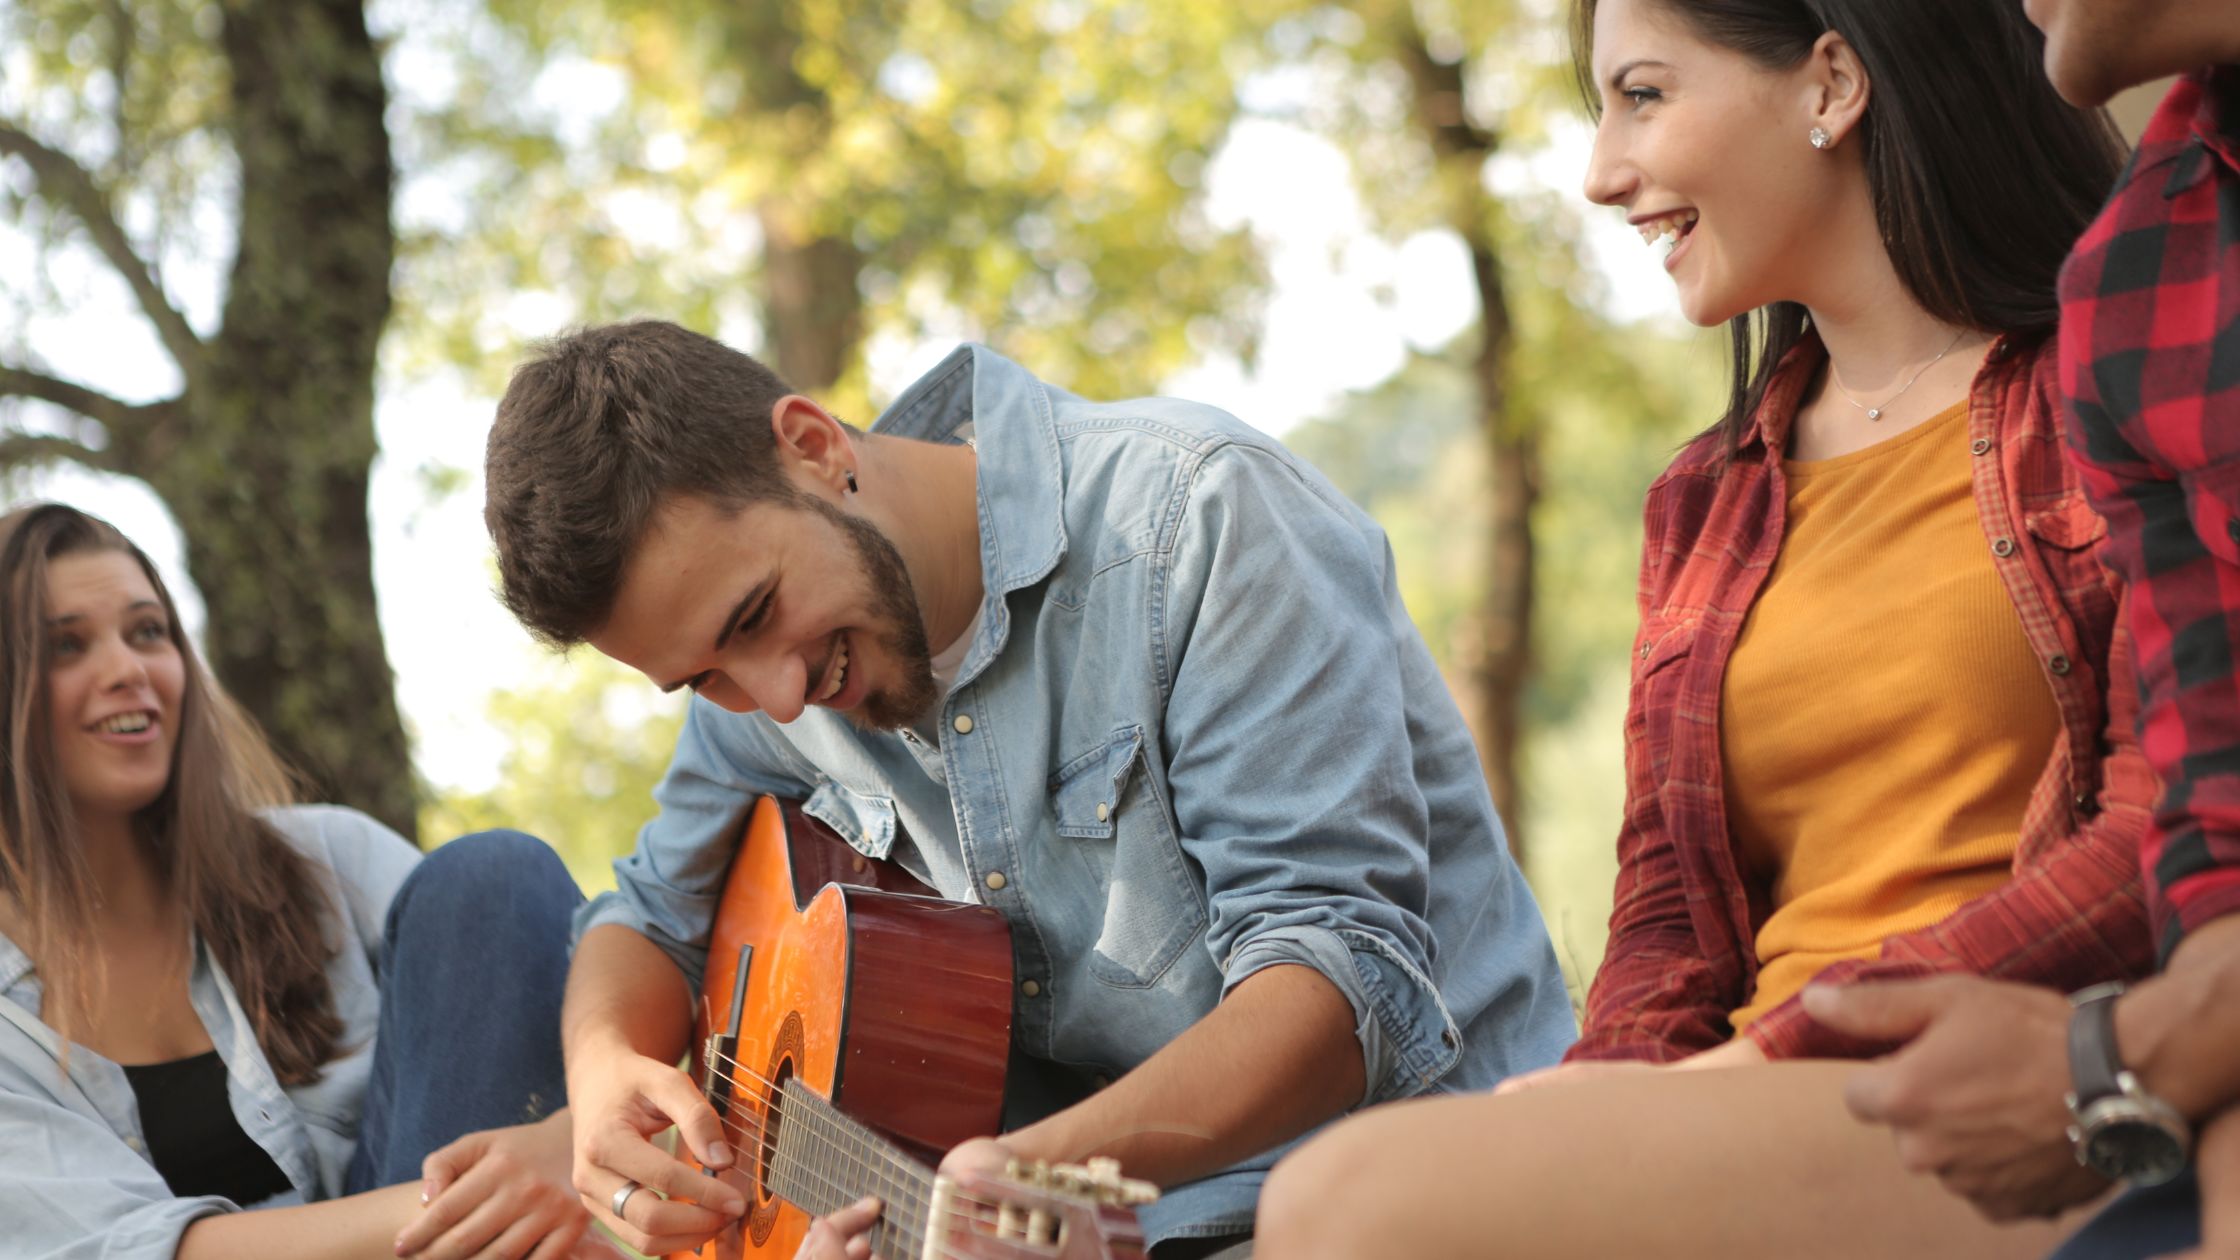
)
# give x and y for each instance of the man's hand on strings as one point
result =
(844, 1235)
(621, 1100)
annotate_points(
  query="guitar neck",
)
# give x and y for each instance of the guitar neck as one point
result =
(823, 1161)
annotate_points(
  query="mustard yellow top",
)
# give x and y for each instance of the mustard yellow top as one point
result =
(1882, 720)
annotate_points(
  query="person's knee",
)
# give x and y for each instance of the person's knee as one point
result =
(1312, 1207)
(489, 873)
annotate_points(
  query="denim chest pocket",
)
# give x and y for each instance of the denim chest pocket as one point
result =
(866, 822)
(1111, 817)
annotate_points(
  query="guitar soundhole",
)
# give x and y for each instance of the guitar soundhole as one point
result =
(784, 1053)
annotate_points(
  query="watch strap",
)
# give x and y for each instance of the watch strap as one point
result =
(2094, 1061)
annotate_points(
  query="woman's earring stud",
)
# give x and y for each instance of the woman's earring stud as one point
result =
(851, 474)
(1820, 138)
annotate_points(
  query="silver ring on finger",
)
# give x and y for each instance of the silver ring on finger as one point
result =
(621, 1198)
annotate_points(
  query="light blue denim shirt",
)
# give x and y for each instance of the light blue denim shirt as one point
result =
(1204, 738)
(75, 1176)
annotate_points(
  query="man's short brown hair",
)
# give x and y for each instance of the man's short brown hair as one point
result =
(598, 429)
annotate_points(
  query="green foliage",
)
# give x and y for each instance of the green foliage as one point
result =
(1026, 172)
(585, 744)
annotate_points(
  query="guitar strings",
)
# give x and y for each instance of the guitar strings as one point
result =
(919, 1218)
(772, 1093)
(903, 1192)
(919, 1222)
(908, 1195)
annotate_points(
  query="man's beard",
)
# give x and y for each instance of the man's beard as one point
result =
(902, 632)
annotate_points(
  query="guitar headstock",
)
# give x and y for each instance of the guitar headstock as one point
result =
(1041, 1211)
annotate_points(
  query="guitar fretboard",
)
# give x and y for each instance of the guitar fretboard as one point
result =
(823, 1161)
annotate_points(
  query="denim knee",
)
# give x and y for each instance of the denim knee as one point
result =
(485, 873)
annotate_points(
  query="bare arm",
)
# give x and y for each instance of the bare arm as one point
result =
(355, 1228)
(623, 1027)
(1276, 1058)
(501, 1193)
(624, 996)
(2178, 1029)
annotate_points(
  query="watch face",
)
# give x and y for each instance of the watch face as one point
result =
(2136, 1151)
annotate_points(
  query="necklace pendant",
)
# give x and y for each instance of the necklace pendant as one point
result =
(1874, 413)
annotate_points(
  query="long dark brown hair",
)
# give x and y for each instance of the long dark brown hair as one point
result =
(254, 900)
(1982, 176)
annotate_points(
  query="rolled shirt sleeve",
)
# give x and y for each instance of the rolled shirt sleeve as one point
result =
(1332, 871)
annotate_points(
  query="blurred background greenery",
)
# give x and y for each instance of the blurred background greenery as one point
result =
(264, 265)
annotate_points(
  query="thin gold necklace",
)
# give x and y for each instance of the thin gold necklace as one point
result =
(1875, 412)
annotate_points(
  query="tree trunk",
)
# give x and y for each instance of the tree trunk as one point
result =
(812, 302)
(1502, 659)
(269, 484)
(812, 306)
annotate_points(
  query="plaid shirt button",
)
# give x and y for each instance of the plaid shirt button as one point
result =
(2002, 547)
(2059, 665)
(1980, 446)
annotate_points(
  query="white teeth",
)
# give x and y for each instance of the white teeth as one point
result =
(126, 724)
(839, 676)
(1666, 230)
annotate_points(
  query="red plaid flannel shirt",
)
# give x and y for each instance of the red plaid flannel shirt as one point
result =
(1682, 931)
(2150, 360)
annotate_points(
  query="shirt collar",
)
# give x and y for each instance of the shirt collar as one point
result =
(2216, 117)
(1777, 408)
(15, 965)
(2202, 108)
(1020, 482)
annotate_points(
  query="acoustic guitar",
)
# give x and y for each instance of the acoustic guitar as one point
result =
(852, 1026)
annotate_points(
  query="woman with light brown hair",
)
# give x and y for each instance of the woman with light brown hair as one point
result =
(193, 971)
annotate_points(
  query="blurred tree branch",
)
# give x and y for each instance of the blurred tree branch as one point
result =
(18, 450)
(270, 118)
(72, 185)
(94, 405)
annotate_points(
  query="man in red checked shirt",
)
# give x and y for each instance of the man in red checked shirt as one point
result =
(2022, 1099)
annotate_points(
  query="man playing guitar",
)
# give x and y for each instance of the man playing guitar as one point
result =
(1128, 673)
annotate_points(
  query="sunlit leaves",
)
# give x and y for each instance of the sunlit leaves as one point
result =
(1021, 171)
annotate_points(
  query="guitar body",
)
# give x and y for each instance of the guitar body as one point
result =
(862, 985)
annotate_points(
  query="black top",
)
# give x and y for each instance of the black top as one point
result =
(196, 1143)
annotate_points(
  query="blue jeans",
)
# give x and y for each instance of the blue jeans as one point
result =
(2152, 1221)
(473, 963)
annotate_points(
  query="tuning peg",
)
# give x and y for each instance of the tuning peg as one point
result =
(1101, 1180)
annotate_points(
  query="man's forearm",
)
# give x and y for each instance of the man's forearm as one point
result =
(1276, 1058)
(624, 993)
(2177, 1031)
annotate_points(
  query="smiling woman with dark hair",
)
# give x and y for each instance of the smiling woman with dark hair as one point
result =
(1880, 721)
(193, 971)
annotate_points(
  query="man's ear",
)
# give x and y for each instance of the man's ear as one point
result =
(1838, 86)
(812, 443)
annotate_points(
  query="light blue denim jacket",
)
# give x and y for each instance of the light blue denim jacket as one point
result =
(75, 1177)
(1204, 739)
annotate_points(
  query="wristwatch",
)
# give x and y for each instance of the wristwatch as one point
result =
(2119, 1130)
